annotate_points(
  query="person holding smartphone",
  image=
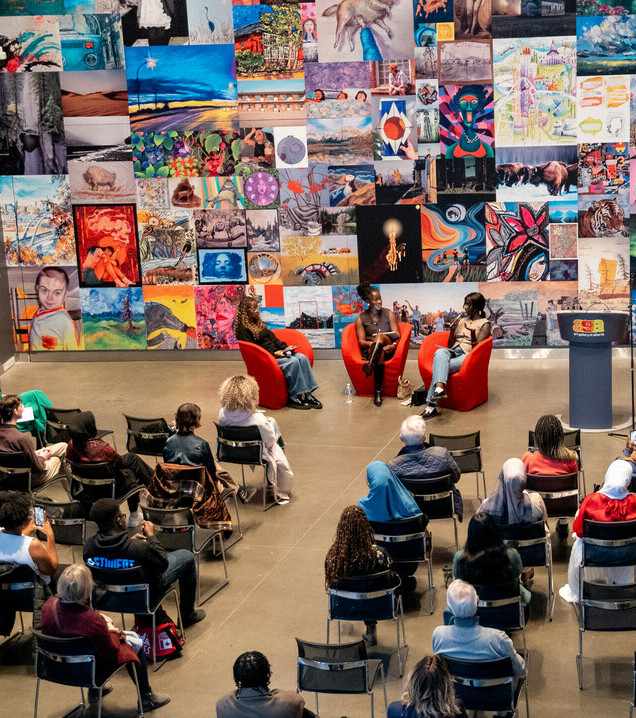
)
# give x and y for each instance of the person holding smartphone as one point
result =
(301, 382)
(629, 452)
(466, 331)
(17, 544)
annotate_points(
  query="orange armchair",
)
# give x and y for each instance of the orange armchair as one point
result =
(468, 387)
(264, 368)
(353, 360)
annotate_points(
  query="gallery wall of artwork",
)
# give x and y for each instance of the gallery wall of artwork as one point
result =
(161, 159)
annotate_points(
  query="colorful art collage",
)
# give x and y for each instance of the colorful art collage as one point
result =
(161, 160)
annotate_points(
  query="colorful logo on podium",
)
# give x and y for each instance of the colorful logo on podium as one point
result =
(588, 326)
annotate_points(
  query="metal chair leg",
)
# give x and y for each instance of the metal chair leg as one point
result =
(328, 627)
(455, 527)
(37, 698)
(317, 713)
(99, 702)
(140, 708)
(579, 660)
(386, 705)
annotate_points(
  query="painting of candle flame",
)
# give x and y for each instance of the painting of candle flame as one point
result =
(389, 243)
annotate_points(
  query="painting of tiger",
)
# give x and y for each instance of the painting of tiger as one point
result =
(603, 218)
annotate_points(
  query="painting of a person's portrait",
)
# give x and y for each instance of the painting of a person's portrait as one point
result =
(222, 266)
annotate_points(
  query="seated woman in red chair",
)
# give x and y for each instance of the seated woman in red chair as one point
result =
(301, 383)
(465, 333)
(378, 334)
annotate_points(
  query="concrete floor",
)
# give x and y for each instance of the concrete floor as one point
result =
(276, 589)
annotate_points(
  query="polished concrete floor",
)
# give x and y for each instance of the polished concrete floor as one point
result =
(276, 589)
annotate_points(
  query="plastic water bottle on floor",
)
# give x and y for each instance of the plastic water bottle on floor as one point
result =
(348, 393)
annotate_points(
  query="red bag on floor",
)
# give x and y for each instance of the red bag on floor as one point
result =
(166, 639)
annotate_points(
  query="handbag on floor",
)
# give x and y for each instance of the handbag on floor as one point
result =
(418, 397)
(166, 640)
(405, 388)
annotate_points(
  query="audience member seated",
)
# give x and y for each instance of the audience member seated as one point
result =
(253, 698)
(112, 548)
(510, 503)
(629, 453)
(612, 502)
(185, 447)
(485, 560)
(17, 545)
(466, 639)
(130, 469)
(353, 553)
(428, 692)
(70, 615)
(46, 463)
(551, 457)
(239, 407)
(418, 460)
(388, 500)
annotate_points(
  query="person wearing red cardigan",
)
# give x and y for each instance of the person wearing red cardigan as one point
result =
(69, 614)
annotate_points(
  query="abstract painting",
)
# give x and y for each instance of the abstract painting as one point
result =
(170, 317)
(215, 309)
(166, 247)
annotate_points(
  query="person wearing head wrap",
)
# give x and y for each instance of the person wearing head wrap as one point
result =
(130, 469)
(387, 499)
(510, 503)
(612, 502)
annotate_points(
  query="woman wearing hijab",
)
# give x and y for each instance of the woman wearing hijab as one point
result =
(388, 500)
(130, 469)
(612, 502)
(510, 503)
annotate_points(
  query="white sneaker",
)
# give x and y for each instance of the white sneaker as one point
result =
(135, 519)
(566, 594)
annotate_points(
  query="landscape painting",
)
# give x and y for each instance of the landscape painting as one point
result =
(162, 95)
(113, 318)
(100, 93)
(340, 141)
(101, 182)
(166, 247)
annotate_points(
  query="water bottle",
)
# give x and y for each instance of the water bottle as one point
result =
(348, 393)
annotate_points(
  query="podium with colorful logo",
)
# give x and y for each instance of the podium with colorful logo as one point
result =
(590, 335)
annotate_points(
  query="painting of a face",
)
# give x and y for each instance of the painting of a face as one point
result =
(537, 268)
(223, 265)
(51, 292)
(468, 108)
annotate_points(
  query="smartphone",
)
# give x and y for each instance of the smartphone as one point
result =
(632, 435)
(38, 515)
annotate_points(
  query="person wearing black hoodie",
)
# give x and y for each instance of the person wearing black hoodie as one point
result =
(112, 548)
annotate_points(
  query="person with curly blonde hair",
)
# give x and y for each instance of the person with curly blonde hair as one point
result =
(239, 407)
(301, 382)
(353, 553)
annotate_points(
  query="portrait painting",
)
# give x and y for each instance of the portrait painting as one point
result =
(222, 266)
(107, 251)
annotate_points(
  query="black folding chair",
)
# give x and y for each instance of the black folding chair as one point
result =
(56, 427)
(434, 496)
(68, 522)
(147, 437)
(603, 606)
(466, 450)
(369, 598)
(92, 480)
(242, 445)
(126, 590)
(177, 528)
(72, 662)
(340, 668)
(489, 686)
(560, 493)
(16, 474)
(17, 588)
(406, 541)
(534, 544)
(500, 606)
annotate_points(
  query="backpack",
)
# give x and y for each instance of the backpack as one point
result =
(166, 640)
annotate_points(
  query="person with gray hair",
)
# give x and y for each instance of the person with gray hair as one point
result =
(70, 614)
(418, 460)
(465, 638)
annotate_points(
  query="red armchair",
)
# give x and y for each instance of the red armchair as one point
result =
(353, 360)
(264, 367)
(468, 387)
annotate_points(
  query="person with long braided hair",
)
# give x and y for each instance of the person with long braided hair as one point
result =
(353, 553)
(551, 457)
(301, 382)
(253, 698)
